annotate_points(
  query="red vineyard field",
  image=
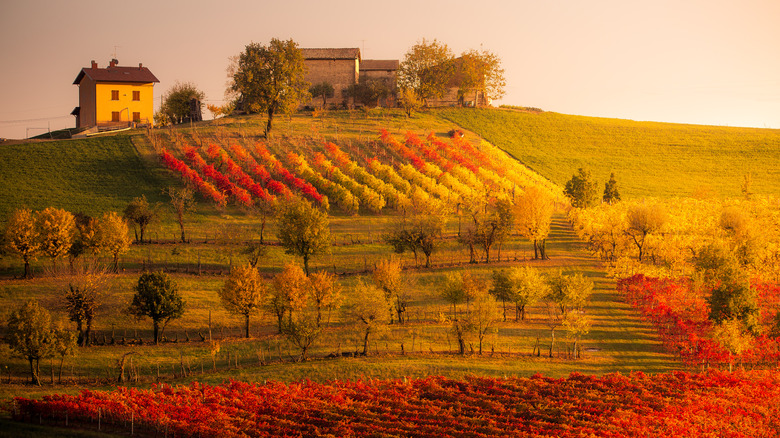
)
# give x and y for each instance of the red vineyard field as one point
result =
(681, 318)
(677, 404)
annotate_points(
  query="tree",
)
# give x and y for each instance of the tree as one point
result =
(82, 300)
(113, 235)
(270, 79)
(21, 237)
(483, 314)
(731, 334)
(325, 292)
(480, 71)
(490, 221)
(387, 275)
(409, 101)
(177, 102)
(289, 293)
(368, 91)
(56, 229)
(533, 212)
(218, 111)
(577, 325)
(64, 345)
(303, 230)
(30, 335)
(182, 201)
(139, 212)
(569, 292)
(427, 69)
(735, 300)
(422, 232)
(323, 89)
(243, 293)
(581, 189)
(85, 239)
(644, 220)
(611, 194)
(156, 296)
(523, 286)
(369, 311)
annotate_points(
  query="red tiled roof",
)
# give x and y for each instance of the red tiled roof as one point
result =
(117, 74)
(331, 53)
(379, 64)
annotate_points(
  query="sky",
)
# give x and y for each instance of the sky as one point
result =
(707, 62)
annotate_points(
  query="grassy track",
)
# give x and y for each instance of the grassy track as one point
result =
(648, 158)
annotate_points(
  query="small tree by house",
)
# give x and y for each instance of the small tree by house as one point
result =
(408, 101)
(157, 297)
(177, 102)
(22, 237)
(303, 230)
(243, 293)
(426, 69)
(324, 90)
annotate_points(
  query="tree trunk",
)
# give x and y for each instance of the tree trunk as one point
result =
(246, 325)
(88, 333)
(552, 341)
(27, 270)
(536, 249)
(306, 265)
(80, 329)
(270, 120)
(116, 263)
(365, 341)
(156, 327)
(34, 373)
(181, 227)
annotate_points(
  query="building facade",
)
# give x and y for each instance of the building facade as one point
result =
(114, 96)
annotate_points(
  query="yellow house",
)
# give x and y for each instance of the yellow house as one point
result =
(114, 96)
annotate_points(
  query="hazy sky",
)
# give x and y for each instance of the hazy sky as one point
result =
(692, 61)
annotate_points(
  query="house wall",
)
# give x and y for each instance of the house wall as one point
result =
(341, 73)
(87, 103)
(450, 98)
(126, 106)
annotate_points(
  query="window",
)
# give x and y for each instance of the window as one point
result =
(115, 116)
(136, 95)
(114, 94)
(136, 117)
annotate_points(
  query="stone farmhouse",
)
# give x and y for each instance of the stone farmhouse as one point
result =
(344, 68)
(114, 96)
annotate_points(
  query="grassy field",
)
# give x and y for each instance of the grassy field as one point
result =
(648, 158)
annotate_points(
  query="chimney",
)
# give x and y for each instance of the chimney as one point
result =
(140, 66)
(113, 63)
(94, 64)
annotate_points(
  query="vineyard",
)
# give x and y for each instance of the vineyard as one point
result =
(637, 405)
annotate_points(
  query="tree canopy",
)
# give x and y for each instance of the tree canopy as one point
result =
(269, 78)
(303, 230)
(427, 69)
(176, 103)
(156, 296)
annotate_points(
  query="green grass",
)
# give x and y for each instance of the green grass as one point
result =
(89, 176)
(648, 158)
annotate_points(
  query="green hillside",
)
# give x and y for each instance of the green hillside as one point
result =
(88, 176)
(648, 158)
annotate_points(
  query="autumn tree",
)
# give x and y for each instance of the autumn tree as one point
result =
(481, 72)
(30, 335)
(269, 78)
(490, 219)
(83, 299)
(325, 293)
(22, 237)
(408, 100)
(734, 337)
(523, 286)
(611, 194)
(56, 229)
(176, 102)
(566, 294)
(182, 202)
(157, 297)
(369, 311)
(426, 69)
(387, 275)
(141, 213)
(324, 90)
(303, 230)
(288, 294)
(735, 300)
(421, 233)
(644, 220)
(113, 235)
(243, 293)
(581, 189)
(533, 212)
(85, 239)
(483, 313)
